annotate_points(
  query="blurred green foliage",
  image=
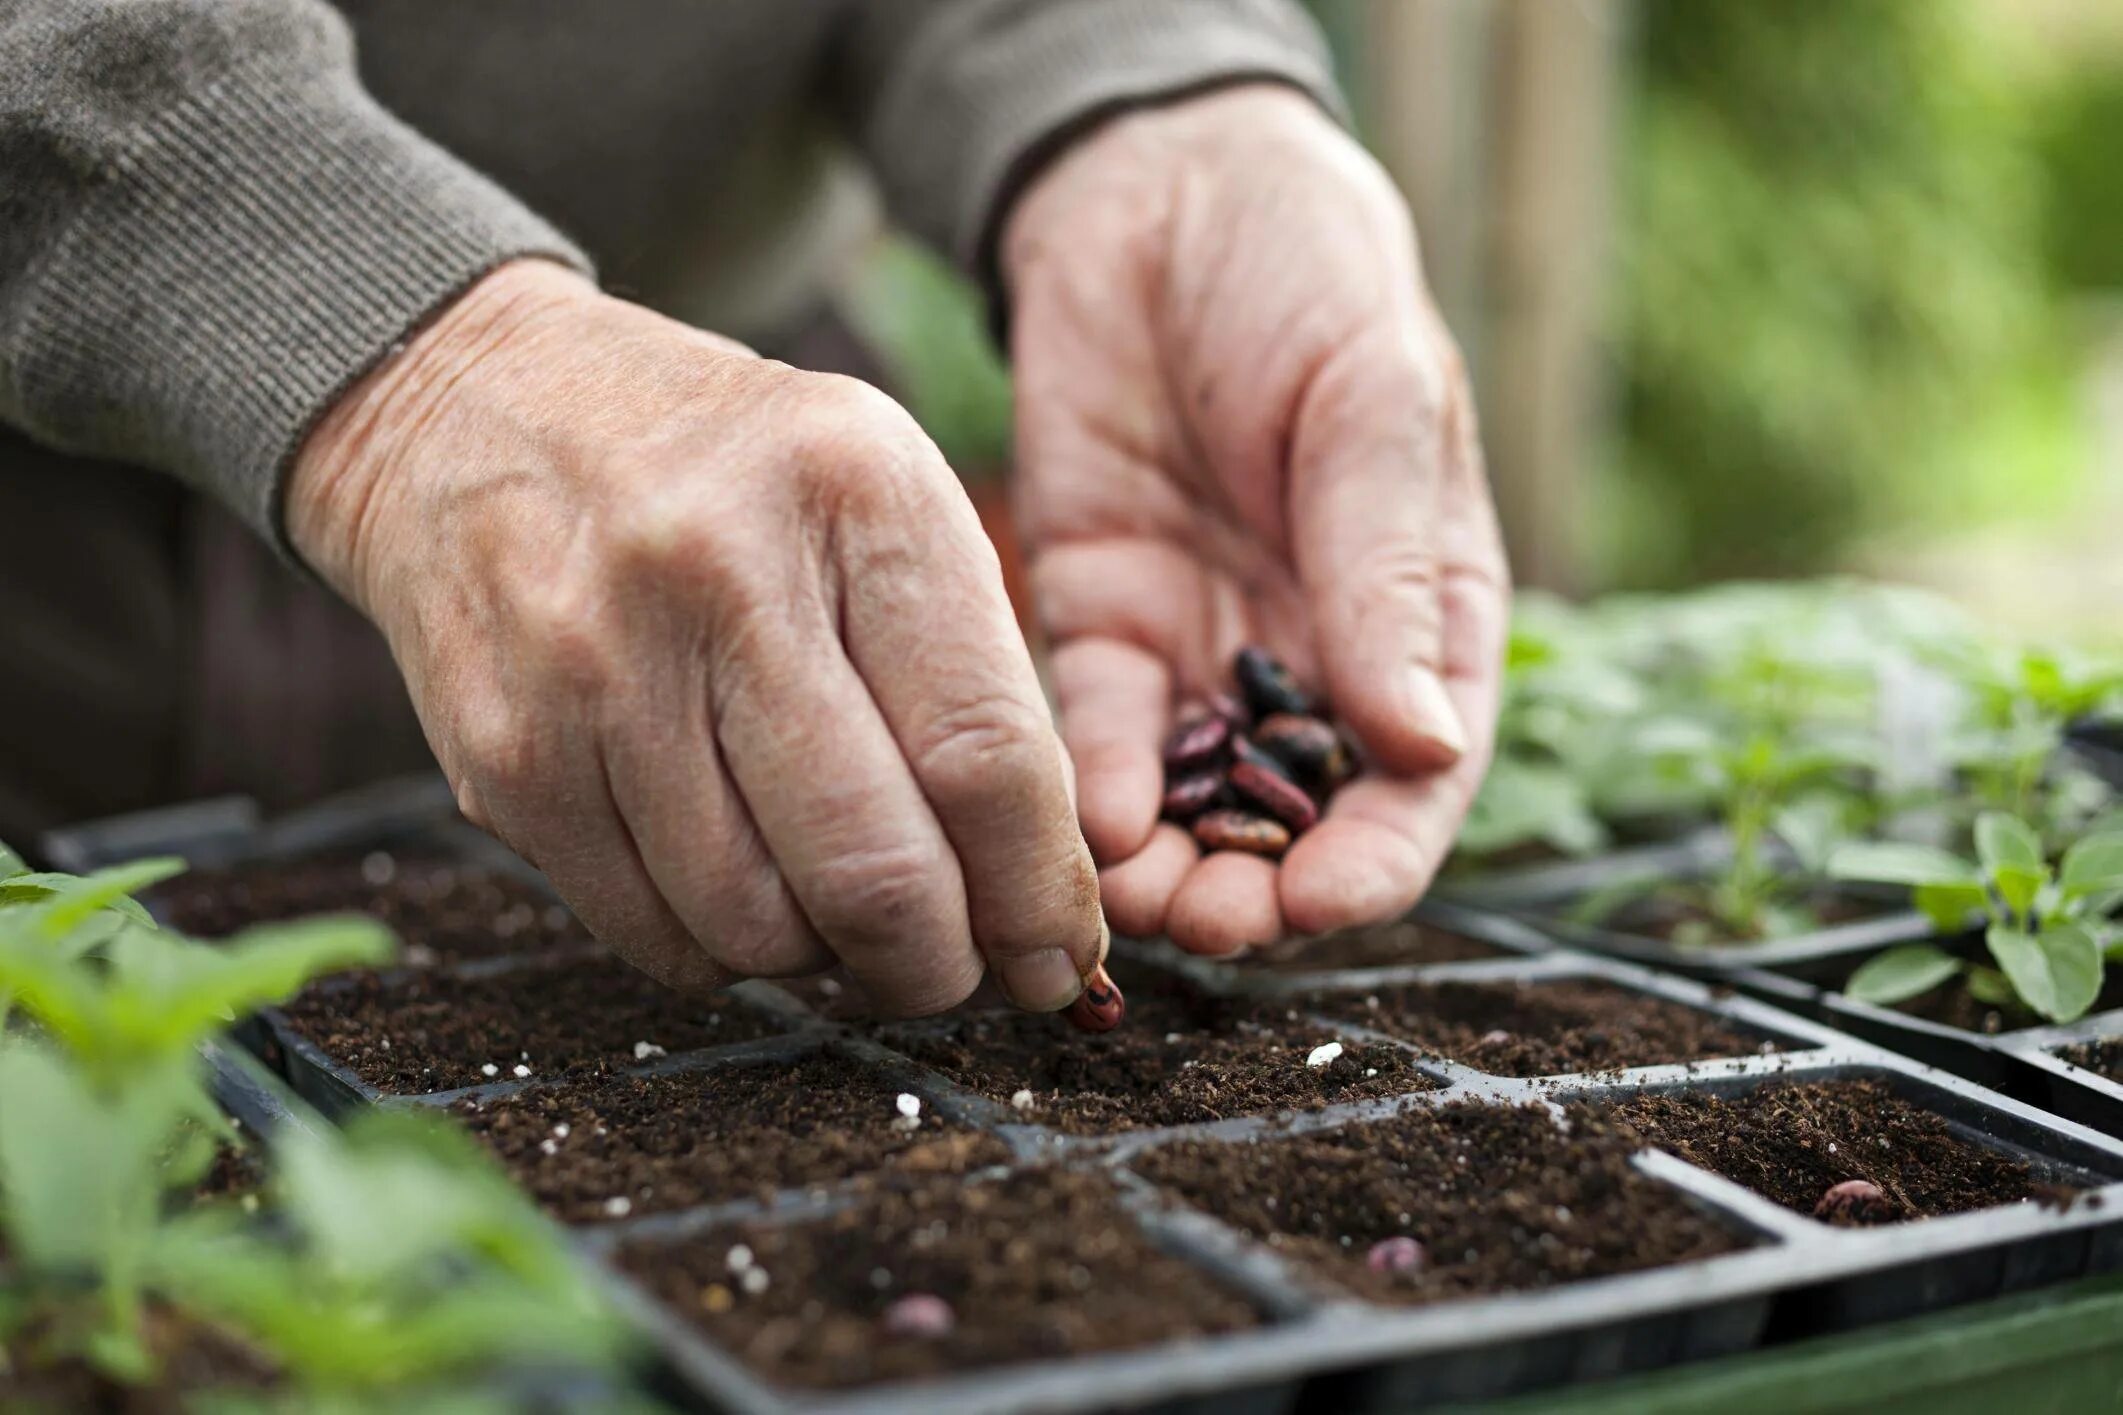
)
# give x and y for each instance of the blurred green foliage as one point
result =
(1831, 283)
(2080, 140)
(927, 323)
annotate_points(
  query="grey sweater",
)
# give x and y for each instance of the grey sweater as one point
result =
(215, 214)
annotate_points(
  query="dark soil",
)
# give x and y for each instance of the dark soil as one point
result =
(1952, 1006)
(1181, 1058)
(2103, 1057)
(666, 1142)
(236, 1171)
(1793, 1141)
(1039, 1266)
(1546, 1028)
(443, 910)
(192, 1359)
(1501, 1198)
(1383, 946)
(436, 1032)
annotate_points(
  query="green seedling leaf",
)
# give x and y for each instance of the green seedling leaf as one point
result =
(2019, 888)
(1991, 987)
(1902, 973)
(1812, 828)
(2092, 865)
(2056, 973)
(58, 904)
(1950, 907)
(2005, 842)
(11, 864)
(1896, 862)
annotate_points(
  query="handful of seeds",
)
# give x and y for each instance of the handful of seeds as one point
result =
(1254, 772)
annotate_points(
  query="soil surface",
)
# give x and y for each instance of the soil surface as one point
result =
(1182, 1057)
(2103, 1057)
(192, 1359)
(436, 1032)
(443, 910)
(1546, 1028)
(1793, 1141)
(1039, 1266)
(1952, 1006)
(1384, 946)
(1684, 920)
(1501, 1198)
(666, 1142)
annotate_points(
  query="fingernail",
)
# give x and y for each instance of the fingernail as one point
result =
(1435, 717)
(1101, 1008)
(1105, 938)
(1045, 981)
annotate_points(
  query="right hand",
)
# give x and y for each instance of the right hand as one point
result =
(719, 645)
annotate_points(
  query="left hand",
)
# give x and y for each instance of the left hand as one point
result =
(1241, 419)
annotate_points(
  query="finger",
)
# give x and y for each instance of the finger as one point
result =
(553, 805)
(1137, 892)
(1115, 706)
(1227, 903)
(929, 627)
(1367, 467)
(840, 812)
(699, 844)
(1383, 837)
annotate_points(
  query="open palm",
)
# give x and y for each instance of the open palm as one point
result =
(1240, 420)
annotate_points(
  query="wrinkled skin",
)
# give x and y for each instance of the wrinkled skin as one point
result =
(719, 644)
(1241, 419)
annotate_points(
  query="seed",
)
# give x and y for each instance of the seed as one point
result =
(1312, 750)
(1283, 799)
(1244, 753)
(1324, 1055)
(1231, 710)
(1267, 685)
(1854, 1201)
(1099, 1007)
(920, 1316)
(1396, 1255)
(1196, 742)
(1189, 796)
(1242, 831)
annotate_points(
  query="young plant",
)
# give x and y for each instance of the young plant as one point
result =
(2020, 703)
(2047, 930)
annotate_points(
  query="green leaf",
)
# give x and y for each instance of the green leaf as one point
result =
(2056, 973)
(1949, 906)
(1812, 828)
(1991, 987)
(1901, 973)
(11, 864)
(1897, 862)
(2018, 888)
(2005, 842)
(2092, 864)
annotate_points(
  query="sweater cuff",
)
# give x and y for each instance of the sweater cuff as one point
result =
(973, 115)
(251, 254)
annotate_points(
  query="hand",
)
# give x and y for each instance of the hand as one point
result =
(1240, 418)
(719, 645)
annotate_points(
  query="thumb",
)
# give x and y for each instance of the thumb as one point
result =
(1367, 476)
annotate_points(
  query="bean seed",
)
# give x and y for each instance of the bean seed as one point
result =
(1231, 710)
(1854, 1200)
(1243, 751)
(1267, 685)
(1312, 750)
(1242, 831)
(1100, 1007)
(1196, 742)
(921, 1316)
(1396, 1255)
(1189, 796)
(1278, 796)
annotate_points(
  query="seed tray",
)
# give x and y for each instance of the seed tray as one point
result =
(1504, 887)
(2076, 1092)
(1319, 1350)
(1507, 937)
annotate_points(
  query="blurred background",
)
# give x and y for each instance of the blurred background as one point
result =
(1748, 290)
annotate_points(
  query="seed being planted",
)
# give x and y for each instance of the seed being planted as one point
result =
(1312, 750)
(1396, 1255)
(1196, 742)
(1099, 1007)
(1854, 1201)
(920, 1316)
(1189, 796)
(1242, 831)
(1268, 686)
(1276, 795)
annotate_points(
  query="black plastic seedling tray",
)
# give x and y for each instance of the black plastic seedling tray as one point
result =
(1320, 1350)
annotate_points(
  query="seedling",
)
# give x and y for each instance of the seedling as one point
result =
(2022, 700)
(2048, 930)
